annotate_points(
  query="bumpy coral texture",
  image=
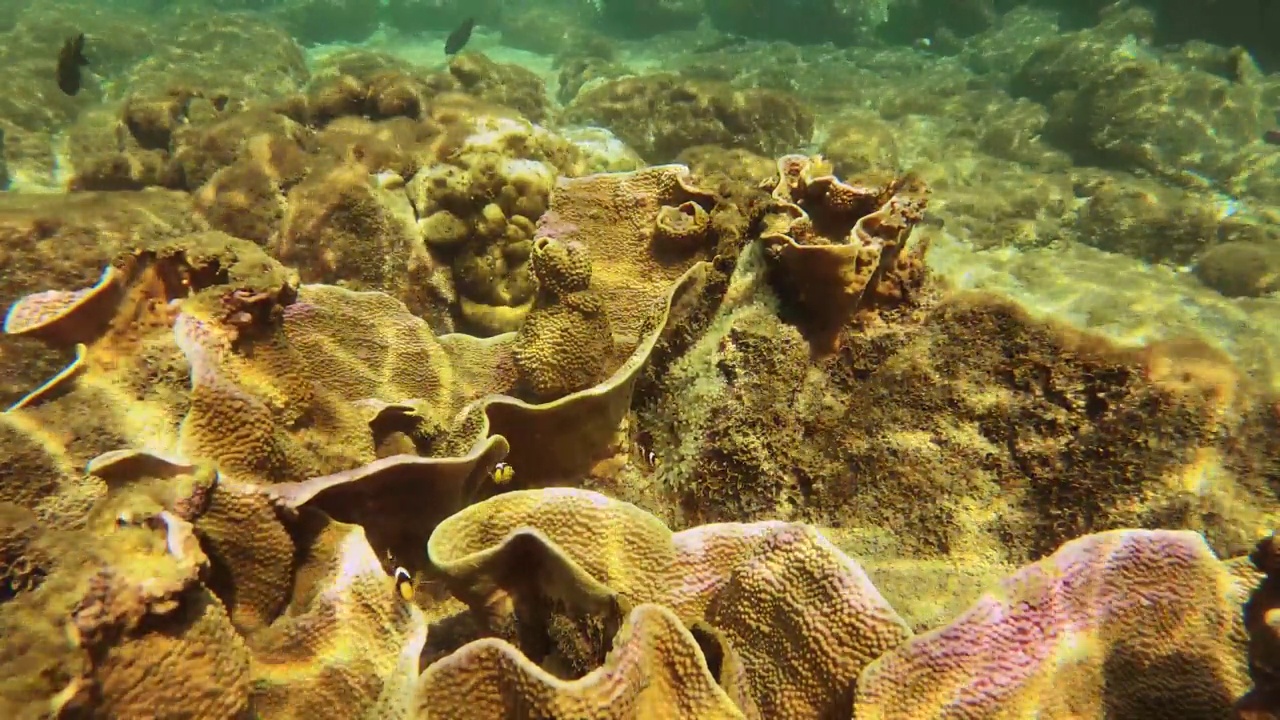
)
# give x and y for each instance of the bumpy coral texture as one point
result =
(781, 595)
(501, 83)
(655, 670)
(565, 343)
(479, 206)
(1111, 625)
(338, 227)
(616, 216)
(345, 635)
(1134, 109)
(23, 563)
(123, 626)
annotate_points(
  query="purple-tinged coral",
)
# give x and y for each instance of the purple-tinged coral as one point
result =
(1112, 625)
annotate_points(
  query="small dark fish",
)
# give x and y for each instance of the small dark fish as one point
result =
(70, 60)
(1271, 137)
(458, 38)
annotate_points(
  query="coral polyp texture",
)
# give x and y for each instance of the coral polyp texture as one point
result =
(1110, 625)
(375, 391)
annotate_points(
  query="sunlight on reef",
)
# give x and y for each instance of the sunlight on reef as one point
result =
(874, 359)
(1122, 298)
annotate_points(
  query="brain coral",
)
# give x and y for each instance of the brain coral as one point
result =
(566, 342)
(1111, 625)
(346, 635)
(657, 670)
(240, 400)
(761, 585)
(792, 622)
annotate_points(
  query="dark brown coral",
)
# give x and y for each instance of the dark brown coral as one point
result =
(839, 248)
(1262, 620)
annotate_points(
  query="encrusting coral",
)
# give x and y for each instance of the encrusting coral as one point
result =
(662, 114)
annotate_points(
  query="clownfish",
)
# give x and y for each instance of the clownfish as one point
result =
(404, 584)
(502, 473)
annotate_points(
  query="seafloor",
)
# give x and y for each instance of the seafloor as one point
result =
(621, 368)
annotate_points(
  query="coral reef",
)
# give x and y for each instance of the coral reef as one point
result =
(553, 30)
(662, 114)
(234, 55)
(478, 208)
(1241, 269)
(646, 18)
(1246, 25)
(501, 84)
(372, 383)
(321, 21)
(419, 15)
(51, 241)
(565, 342)
(1261, 621)
(122, 624)
(1155, 223)
(1082, 622)
(1118, 103)
(838, 248)
(281, 452)
(1067, 436)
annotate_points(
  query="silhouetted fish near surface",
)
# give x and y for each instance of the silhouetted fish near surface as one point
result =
(458, 38)
(70, 60)
(1271, 137)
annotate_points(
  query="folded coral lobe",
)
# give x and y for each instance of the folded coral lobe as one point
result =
(1121, 624)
